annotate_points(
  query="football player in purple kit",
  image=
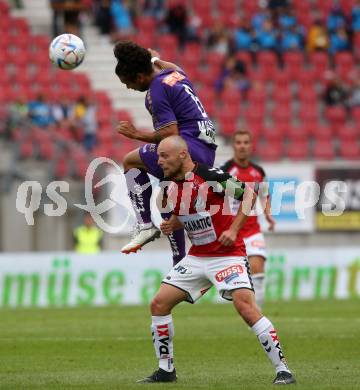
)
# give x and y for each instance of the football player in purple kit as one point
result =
(175, 110)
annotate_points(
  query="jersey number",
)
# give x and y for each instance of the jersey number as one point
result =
(196, 100)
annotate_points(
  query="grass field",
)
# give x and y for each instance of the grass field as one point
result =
(110, 348)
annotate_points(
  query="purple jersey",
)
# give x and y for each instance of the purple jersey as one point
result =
(171, 99)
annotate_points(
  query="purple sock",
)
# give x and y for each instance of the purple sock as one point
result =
(140, 190)
(177, 242)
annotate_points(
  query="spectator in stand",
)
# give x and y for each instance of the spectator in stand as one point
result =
(61, 111)
(121, 17)
(103, 16)
(274, 4)
(286, 19)
(244, 36)
(218, 39)
(335, 92)
(317, 38)
(336, 19)
(354, 100)
(40, 112)
(339, 41)
(233, 76)
(292, 39)
(259, 19)
(18, 112)
(177, 22)
(267, 38)
(154, 8)
(69, 11)
(355, 16)
(84, 116)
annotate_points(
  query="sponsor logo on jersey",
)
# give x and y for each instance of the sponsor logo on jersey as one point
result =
(258, 244)
(225, 273)
(173, 78)
(198, 224)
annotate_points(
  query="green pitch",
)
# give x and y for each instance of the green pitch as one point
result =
(110, 348)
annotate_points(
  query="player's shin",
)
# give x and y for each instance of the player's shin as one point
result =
(162, 329)
(177, 242)
(259, 288)
(269, 340)
(140, 190)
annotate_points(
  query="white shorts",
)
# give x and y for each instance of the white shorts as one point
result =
(255, 245)
(195, 275)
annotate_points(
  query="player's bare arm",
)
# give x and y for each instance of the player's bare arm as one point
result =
(228, 237)
(268, 215)
(160, 64)
(128, 130)
(170, 225)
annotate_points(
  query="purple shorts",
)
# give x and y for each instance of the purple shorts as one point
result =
(199, 152)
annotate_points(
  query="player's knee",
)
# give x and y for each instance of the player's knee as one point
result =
(245, 305)
(159, 307)
(128, 161)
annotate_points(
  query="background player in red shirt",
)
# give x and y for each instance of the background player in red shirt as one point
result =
(245, 170)
(198, 195)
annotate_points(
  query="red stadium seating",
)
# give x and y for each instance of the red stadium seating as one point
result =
(294, 62)
(323, 150)
(349, 150)
(269, 152)
(336, 116)
(297, 150)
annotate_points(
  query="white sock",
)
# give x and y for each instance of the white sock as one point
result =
(162, 329)
(259, 287)
(267, 336)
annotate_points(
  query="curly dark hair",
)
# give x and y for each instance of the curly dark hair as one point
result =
(132, 60)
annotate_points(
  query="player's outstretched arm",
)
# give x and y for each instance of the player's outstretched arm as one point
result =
(128, 130)
(249, 195)
(160, 64)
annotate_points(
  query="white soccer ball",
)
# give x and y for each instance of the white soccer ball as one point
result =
(67, 51)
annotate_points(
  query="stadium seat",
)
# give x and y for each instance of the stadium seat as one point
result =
(61, 167)
(336, 115)
(146, 25)
(308, 113)
(231, 95)
(322, 132)
(349, 150)
(282, 79)
(319, 62)
(267, 63)
(355, 114)
(297, 150)
(269, 151)
(282, 95)
(214, 60)
(46, 149)
(26, 149)
(306, 78)
(281, 116)
(323, 150)
(308, 95)
(298, 133)
(294, 62)
(257, 95)
(273, 134)
(348, 133)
